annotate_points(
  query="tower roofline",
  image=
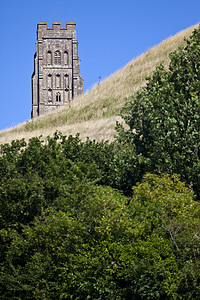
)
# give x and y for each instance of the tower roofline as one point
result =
(56, 26)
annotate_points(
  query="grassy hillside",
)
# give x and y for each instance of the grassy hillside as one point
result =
(95, 113)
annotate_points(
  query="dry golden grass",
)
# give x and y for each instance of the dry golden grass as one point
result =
(102, 129)
(95, 113)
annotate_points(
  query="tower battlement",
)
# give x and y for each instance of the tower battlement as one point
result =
(56, 26)
(56, 31)
(56, 79)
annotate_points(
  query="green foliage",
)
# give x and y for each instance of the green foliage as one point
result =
(164, 117)
(33, 176)
(65, 236)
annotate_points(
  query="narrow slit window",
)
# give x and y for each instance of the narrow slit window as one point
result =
(66, 81)
(66, 58)
(57, 80)
(66, 95)
(49, 58)
(50, 95)
(49, 81)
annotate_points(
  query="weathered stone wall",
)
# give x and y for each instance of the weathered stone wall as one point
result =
(56, 79)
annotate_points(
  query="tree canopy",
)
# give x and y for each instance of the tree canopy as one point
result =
(164, 117)
(65, 235)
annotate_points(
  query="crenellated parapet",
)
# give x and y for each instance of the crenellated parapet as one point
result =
(56, 30)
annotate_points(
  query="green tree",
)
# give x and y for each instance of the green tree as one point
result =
(65, 236)
(164, 117)
(165, 240)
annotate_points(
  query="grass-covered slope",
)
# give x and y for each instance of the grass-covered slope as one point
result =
(95, 113)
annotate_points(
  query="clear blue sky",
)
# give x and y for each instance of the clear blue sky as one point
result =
(110, 33)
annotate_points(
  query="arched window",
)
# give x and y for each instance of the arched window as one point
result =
(57, 57)
(57, 80)
(58, 97)
(49, 58)
(66, 58)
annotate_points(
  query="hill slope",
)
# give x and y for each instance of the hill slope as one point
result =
(95, 113)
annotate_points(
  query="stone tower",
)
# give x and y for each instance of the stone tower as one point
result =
(56, 79)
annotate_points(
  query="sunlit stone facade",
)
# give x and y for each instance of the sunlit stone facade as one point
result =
(56, 79)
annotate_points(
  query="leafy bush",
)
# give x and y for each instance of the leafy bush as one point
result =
(64, 236)
(164, 117)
